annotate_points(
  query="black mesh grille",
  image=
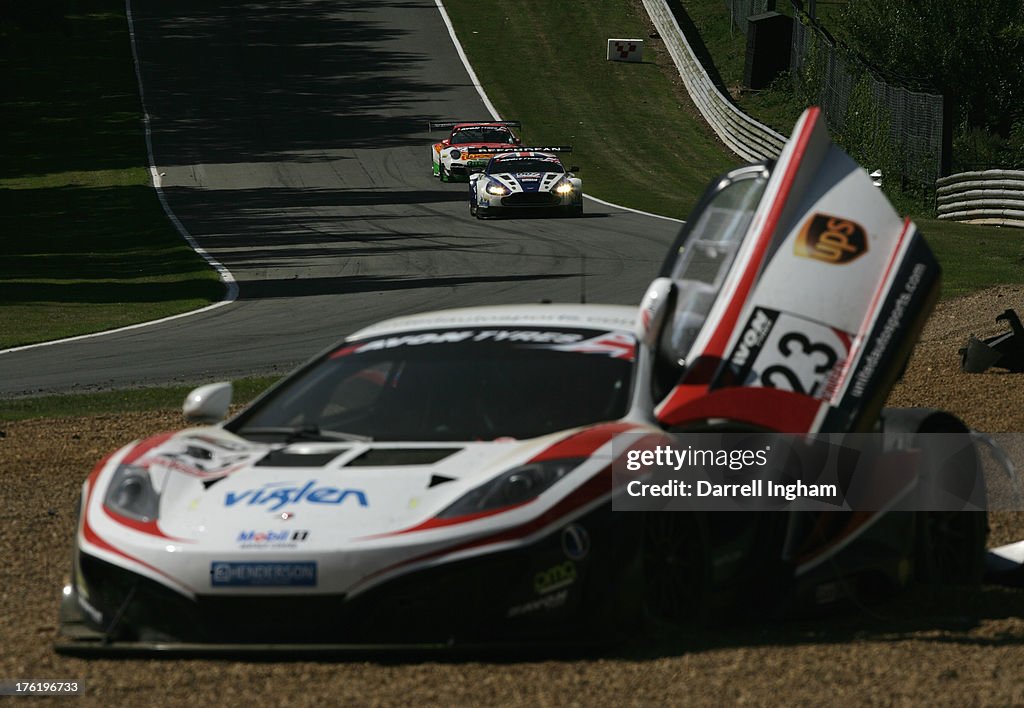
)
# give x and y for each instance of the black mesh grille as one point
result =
(530, 199)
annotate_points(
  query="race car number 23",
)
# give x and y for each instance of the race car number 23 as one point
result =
(805, 361)
(789, 353)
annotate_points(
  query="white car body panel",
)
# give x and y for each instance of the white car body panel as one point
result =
(221, 502)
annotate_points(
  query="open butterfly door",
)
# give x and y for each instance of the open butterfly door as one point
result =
(791, 299)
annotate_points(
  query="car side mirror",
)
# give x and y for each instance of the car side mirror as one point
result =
(208, 404)
(653, 310)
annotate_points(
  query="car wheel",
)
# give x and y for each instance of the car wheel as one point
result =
(472, 209)
(950, 545)
(676, 568)
(442, 173)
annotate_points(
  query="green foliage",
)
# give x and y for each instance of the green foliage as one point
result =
(972, 51)
(809, 78)
(1015, 146)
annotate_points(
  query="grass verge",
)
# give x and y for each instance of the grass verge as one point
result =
(86, 244)
(143, 399)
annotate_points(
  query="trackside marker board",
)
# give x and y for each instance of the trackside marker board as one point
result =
(625, 50)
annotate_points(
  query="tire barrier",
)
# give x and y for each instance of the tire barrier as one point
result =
(987, 197)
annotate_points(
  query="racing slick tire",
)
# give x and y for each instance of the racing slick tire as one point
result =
(574, 211)
(949, 545)
(472, 209)
(442, 173)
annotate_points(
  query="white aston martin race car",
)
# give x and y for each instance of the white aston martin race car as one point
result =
(450, 478)
(532, 179)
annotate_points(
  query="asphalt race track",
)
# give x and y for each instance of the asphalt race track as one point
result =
(293, 142)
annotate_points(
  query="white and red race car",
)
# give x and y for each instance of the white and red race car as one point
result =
(448, 477)
(457, 156)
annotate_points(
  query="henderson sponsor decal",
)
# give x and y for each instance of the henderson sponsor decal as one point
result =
(229, 573)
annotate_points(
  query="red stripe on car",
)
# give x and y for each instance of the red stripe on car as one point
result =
(151, 527)
(598, 485)
(90, 535)
(581, 444)
(145, 446)
(772, 408)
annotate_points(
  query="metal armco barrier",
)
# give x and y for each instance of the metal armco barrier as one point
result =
(749, 139)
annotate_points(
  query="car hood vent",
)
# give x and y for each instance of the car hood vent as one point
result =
(286, 458)
(396, 456)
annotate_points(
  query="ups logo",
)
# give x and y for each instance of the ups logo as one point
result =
(831, 239)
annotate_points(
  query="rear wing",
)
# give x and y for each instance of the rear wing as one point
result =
(449, 124)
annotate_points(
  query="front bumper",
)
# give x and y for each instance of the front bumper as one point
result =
(532, 593)
(530, 202)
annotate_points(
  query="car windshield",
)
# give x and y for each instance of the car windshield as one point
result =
(517, 165)
(468, 136)
(452, 384)
(702, 262)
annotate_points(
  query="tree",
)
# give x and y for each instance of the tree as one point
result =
(968, 50)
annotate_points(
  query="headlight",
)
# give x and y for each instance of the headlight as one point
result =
(564, 188)
(516, 486)
(498, 190)
(455, 154)
(131, 493)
